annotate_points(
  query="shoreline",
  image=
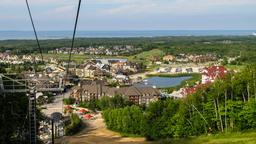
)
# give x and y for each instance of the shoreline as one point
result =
(193, 78)
(83, 34)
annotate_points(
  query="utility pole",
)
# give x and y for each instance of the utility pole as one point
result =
(52, 131)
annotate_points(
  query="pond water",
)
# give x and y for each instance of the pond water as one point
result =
(162, 82)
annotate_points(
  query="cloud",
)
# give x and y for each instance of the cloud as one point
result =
(137, 6)
(172, 6)
(35, 2)
(39, 6)
(62, 9)
(132, 9)
(9, 17)
(130, 14)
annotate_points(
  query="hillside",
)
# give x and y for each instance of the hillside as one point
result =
(231, 138)
(223, 107)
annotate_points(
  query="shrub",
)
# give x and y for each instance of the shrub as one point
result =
(84, 104)
(75, 125)
(69, 101)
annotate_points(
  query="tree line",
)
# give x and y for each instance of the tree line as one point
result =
(227, 105)
(19, 68)
(106, 102)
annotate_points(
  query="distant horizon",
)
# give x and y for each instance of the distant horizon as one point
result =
(136, 30)
(43, 35)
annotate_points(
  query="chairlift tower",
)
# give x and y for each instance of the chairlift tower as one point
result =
(31, 88)
(32, 115)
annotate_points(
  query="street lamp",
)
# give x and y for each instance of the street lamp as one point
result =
(55, 117)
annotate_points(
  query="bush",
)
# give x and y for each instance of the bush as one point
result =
(127, 121)
(84, 104)
(50, 97)
(92, 105)
(75, 125)
(115, 102)
(105, 103)
(69, 101)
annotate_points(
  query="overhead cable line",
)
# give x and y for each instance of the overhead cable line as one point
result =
(34, 29)
(73, 38)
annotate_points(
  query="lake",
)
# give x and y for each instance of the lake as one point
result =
(163, 82)
(132, 33)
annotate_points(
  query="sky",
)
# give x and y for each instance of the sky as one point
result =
(130, 15)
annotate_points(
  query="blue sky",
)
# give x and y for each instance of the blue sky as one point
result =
(130, 14)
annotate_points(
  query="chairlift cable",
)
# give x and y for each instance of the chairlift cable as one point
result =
(73, 38)
(32, 93)
(34, 29)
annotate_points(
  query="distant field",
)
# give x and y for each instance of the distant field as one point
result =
(146, 56)
(230, 138)
(141, 57)
(77, 57)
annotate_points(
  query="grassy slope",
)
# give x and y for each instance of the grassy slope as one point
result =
(236, 67)
(230, 138)
(147, 55)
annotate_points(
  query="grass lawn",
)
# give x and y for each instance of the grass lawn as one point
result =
(141, 57)
(236, 67)
(147, 55)
(230, 138)
(152, 67)
(77, 57)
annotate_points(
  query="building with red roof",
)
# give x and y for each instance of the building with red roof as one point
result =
(194, 89)
(212, 73)
(209, 75)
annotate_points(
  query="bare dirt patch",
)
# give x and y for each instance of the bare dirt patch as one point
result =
(97, 133)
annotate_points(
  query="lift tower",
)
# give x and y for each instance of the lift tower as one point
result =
(31, 87)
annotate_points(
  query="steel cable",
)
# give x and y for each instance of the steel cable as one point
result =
(73, 38)
(34, 29)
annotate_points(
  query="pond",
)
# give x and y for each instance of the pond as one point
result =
(162, 82)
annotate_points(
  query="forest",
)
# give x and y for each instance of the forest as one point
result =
(227, 105)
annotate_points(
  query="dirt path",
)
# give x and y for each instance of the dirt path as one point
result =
(96, 133)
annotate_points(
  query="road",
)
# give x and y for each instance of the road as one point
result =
(57, 105)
